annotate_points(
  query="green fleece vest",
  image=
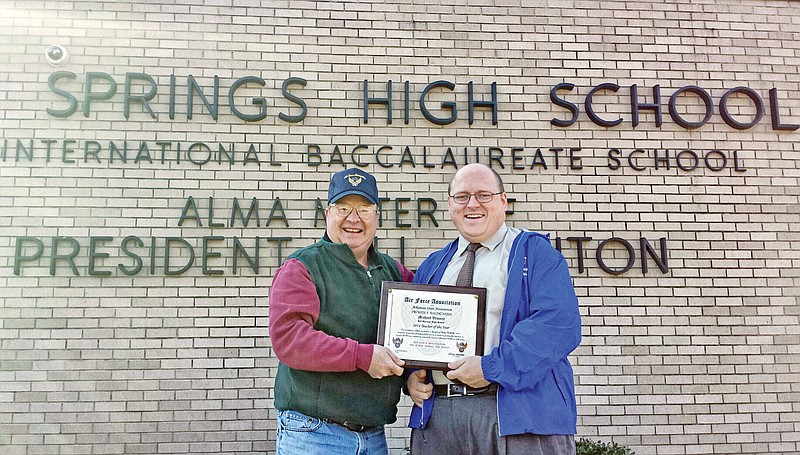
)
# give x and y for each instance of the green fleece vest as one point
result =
(349, 307)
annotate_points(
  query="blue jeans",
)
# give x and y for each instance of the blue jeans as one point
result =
(299, 434)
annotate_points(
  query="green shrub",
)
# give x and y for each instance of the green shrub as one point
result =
(588, 447)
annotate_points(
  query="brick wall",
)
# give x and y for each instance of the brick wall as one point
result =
(122, 354)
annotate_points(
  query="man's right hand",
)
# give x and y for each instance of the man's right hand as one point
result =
(384, 363)
(418, 390)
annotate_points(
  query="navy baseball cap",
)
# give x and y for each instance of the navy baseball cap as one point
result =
(352, 181)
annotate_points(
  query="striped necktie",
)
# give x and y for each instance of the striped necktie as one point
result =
(465, 274)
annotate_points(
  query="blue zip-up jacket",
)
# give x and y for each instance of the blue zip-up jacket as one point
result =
(539, 327)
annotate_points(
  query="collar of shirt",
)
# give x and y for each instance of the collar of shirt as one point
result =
(491, 243)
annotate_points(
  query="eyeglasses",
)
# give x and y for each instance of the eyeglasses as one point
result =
(364, 212)
(483, 197)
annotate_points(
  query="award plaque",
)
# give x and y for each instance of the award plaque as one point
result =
(429, 326)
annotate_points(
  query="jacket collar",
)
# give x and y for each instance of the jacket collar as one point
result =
(343, 252)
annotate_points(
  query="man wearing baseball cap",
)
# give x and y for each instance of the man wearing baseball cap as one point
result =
(335, 388)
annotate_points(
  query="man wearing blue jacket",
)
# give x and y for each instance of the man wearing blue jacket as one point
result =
(519, 397)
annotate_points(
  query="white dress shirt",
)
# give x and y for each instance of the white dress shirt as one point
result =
(491, 272)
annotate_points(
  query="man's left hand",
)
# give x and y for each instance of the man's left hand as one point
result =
(467, 370)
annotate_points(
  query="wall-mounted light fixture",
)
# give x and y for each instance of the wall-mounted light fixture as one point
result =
(57, 55)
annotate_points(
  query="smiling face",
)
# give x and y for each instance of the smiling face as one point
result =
(358, 234)
(475, 221)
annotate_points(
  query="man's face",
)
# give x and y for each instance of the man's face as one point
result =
(358, 234)
(474, 220)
